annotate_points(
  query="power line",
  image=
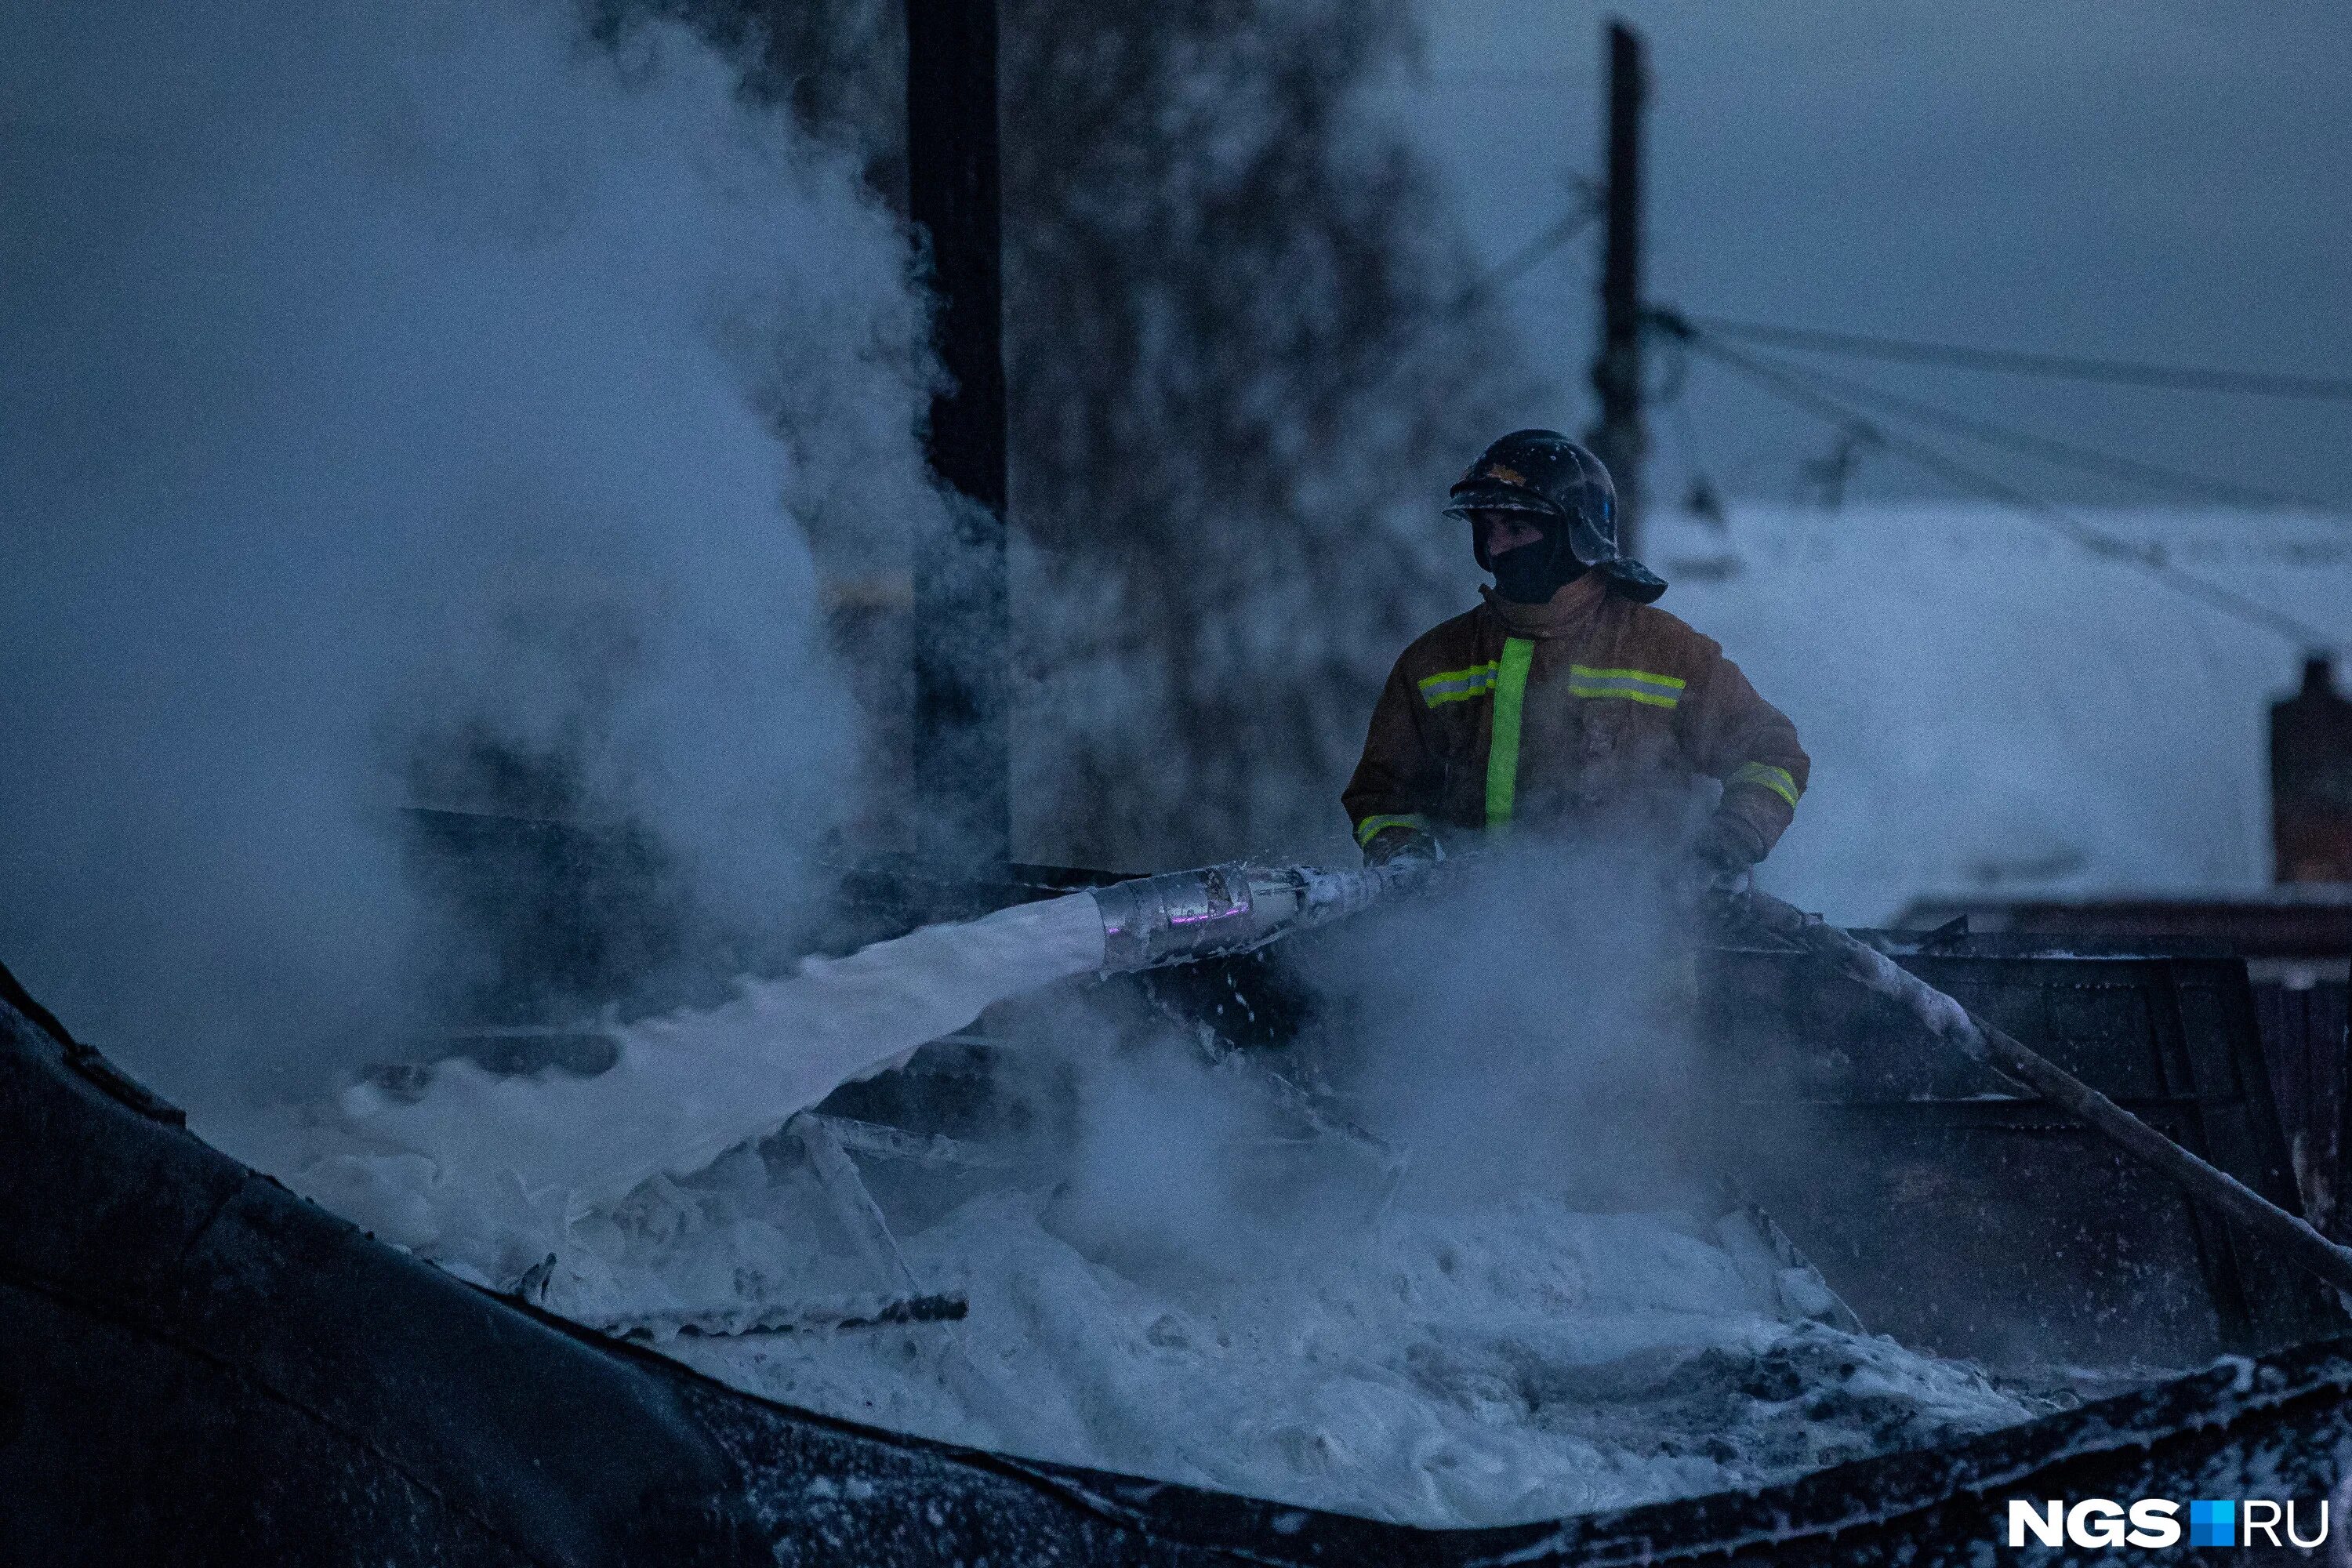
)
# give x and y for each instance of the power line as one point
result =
(2153, 476)
(1405, 329)
(1575, 221)
(1700, 494)
(2025, 362)
(1794, 385)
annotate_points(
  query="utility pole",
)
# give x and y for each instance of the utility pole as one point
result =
(960, 762)
(1620, 439)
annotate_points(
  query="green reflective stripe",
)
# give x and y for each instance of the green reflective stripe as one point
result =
(1457, 685)
(1503, 751)
(1780, 781)
(1641, 685)
(1373, 824)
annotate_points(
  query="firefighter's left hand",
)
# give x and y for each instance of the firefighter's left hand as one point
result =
(1401, 843)
(1726, 845)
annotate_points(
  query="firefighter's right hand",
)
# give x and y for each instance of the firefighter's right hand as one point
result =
(1400, 843)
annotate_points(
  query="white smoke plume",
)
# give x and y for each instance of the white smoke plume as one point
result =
(380, 379)
(1525, 1026)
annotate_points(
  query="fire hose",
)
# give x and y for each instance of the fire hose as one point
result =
(1952, 1024)
(1233, 907)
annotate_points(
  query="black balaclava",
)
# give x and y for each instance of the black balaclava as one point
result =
(1536, 570)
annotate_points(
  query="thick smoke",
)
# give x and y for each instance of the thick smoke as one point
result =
(408, 405)
(1527, 1026)
(1247, 348)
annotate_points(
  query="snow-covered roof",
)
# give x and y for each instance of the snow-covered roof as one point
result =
(1993, 708)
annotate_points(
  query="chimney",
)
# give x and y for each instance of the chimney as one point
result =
(2311, 780)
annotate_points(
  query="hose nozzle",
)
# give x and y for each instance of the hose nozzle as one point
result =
(1233, 908)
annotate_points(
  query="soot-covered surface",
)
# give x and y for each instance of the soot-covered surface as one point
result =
(205, 1369)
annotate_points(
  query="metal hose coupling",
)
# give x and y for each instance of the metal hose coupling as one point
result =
(1227, 908)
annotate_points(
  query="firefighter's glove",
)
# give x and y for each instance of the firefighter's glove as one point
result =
(1395, 844)
(1728, 847)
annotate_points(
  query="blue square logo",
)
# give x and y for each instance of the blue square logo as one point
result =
(2213, 1523)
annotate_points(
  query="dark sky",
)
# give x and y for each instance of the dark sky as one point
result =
(2157, 180)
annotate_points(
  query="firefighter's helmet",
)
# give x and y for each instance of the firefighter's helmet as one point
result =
(1544, 472)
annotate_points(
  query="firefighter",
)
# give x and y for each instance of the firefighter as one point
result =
(1565, 701)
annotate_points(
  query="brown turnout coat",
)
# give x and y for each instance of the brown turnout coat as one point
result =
(1623, 709)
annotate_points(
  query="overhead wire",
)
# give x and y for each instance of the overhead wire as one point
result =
(1388, 351)
(2027, 361)
(2152, 476)
(1794, 385)
(1406, 329)
(1573, 222)
(1702, 334)
(1699, 490)
(1701, 496)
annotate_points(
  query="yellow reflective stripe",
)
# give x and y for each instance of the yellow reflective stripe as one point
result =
(1641, 685)
(1780, 781)
(1503, 750)
(1373, 825)
(1457, 685)
(1650, 677)
(1648, 699)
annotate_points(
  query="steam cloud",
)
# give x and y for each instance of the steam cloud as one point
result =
(381, 381)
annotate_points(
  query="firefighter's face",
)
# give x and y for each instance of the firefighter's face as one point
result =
(1501, 531)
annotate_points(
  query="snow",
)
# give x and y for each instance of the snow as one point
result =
(1990, 707)
(1180, 1288)
(1514, 1362)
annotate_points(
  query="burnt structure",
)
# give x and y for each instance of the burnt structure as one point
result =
(205, 1369)
(1964, 1216)
(2311, 781)
(2294, 939)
